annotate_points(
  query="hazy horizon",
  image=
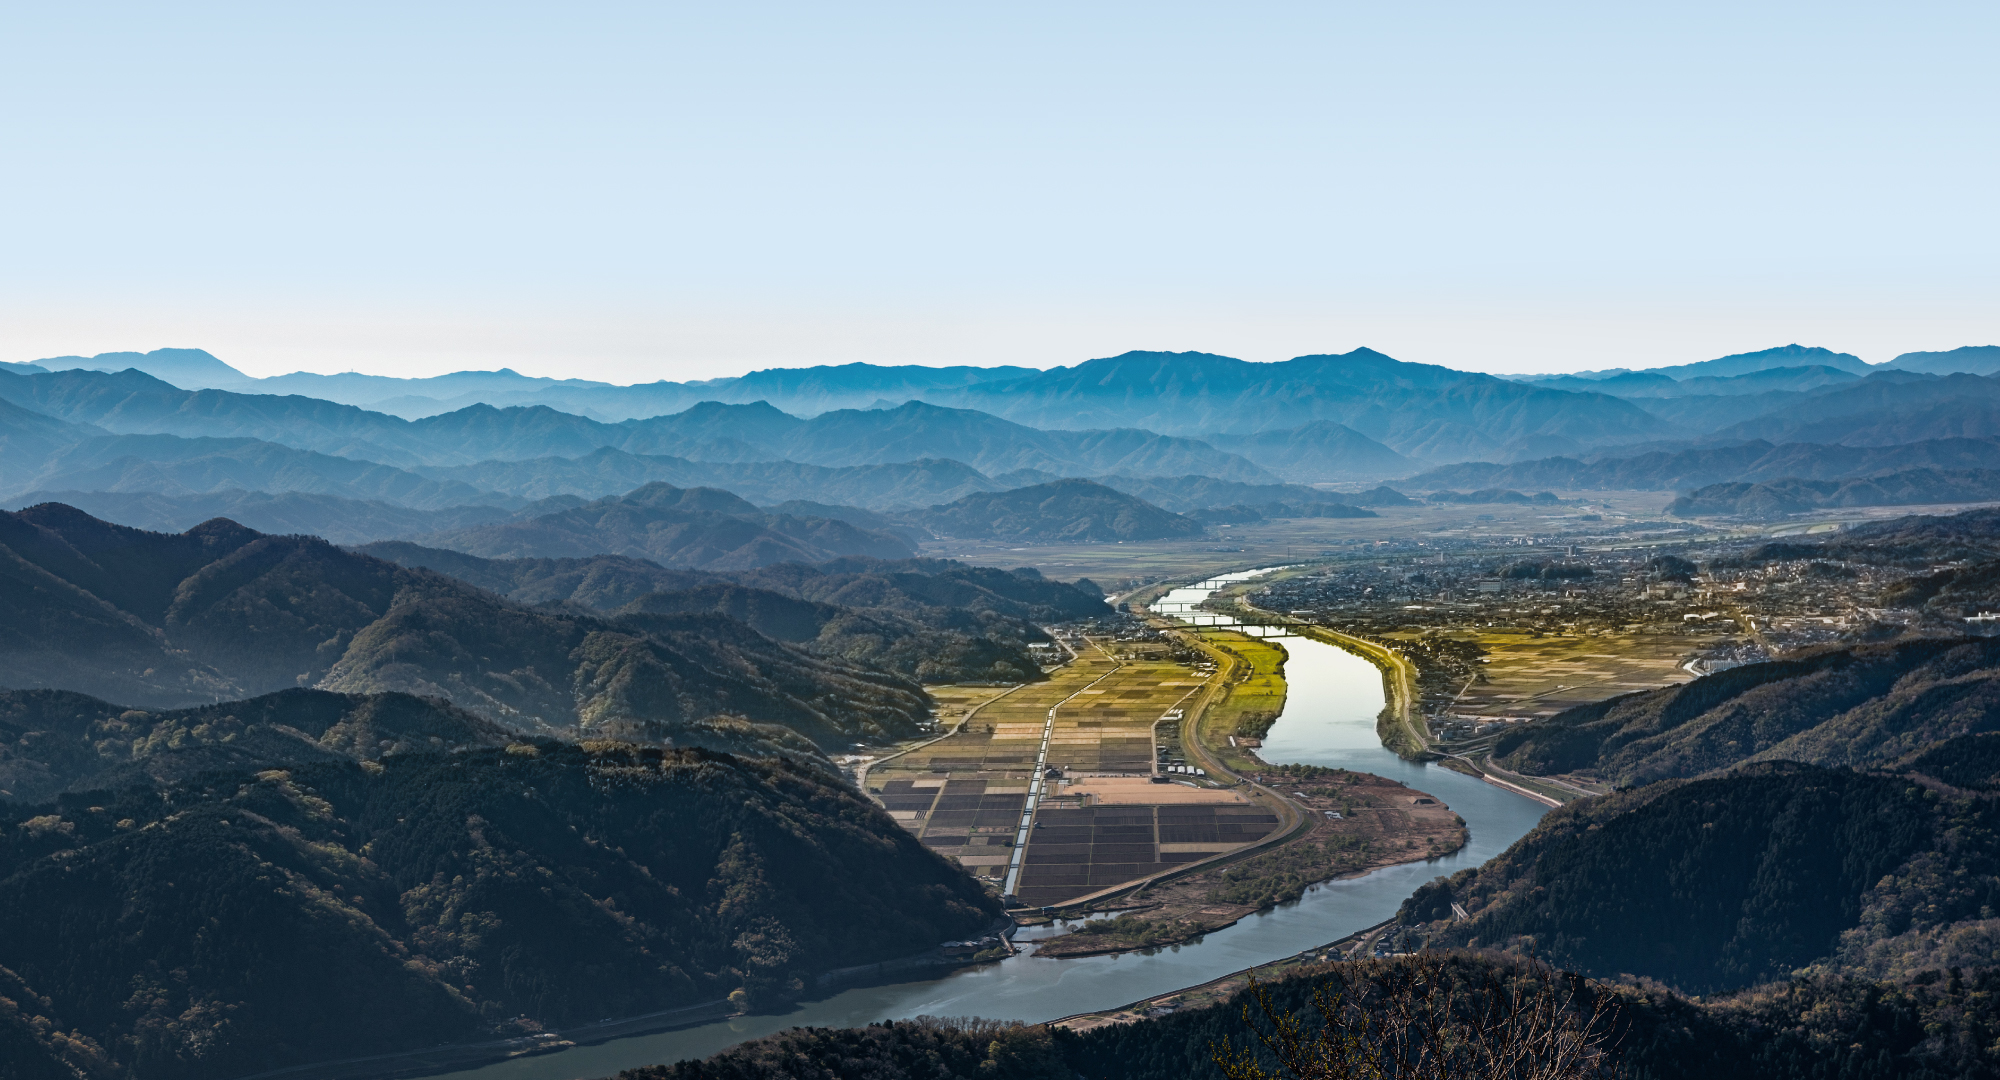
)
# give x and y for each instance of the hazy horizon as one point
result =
(631, 193)
(575, 372)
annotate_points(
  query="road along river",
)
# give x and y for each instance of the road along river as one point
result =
(1333, 698)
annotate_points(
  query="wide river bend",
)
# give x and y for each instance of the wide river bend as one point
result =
(1333, 698)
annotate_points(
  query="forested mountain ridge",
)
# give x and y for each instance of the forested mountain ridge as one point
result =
(990, 650)
(1931, 1027)
(934, 620)
(1729, 881)
(221, 612)
(1858, 705)
(371, 907)
(52, 741)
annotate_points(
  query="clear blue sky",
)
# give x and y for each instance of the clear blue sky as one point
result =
(679, 191)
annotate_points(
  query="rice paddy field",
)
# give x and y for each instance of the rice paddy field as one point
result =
(1252, 702)
(1529, 676)
(1103, 821)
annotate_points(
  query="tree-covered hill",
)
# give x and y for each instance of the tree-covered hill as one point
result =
(53, 741)
(988, 650)
(932, 619)
(238, 921)
(931, 588)
(1719, 884)
(1937, 1026)
(1064, 511)
(165, 621)
(1858, 705)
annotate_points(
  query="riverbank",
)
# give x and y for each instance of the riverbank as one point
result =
(1379, 823)
(1347, 823)
(1329, 719)
(1218, 990)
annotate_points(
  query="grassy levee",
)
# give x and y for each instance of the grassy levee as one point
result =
(1252, 696)
(1401, 725)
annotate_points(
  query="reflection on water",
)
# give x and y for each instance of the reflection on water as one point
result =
(1329, 718)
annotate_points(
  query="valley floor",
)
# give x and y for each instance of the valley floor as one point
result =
(1134, 815)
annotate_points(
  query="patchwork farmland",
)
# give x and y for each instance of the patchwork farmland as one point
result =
(1103, 816)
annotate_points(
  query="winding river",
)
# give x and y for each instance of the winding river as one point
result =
(1333, 698)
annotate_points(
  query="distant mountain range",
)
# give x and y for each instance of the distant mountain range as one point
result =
(1065, 511)
(679, 528)
(1754, 461)
(1634, 385)
(806, 391)
(1784, 356)
(1973, 359)
(129, 444)
(1418, 410)
(129, 402)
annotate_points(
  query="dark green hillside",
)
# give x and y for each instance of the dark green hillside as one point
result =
(223, 612)
(1862, 705)
(881, 613)
(873, 636)
(243, 922)
(1974, 534)
(1954, 593)
(937, 592)
(1713, 884)
(1066, 511)
(1935, 1027)
(685, 528)
(1968, 761)
(53, 741)
(927, 1048)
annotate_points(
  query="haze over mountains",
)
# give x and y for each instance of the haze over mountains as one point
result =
(170, 438)
(622, 660)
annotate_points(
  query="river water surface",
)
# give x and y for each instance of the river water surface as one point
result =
(1333, 699)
